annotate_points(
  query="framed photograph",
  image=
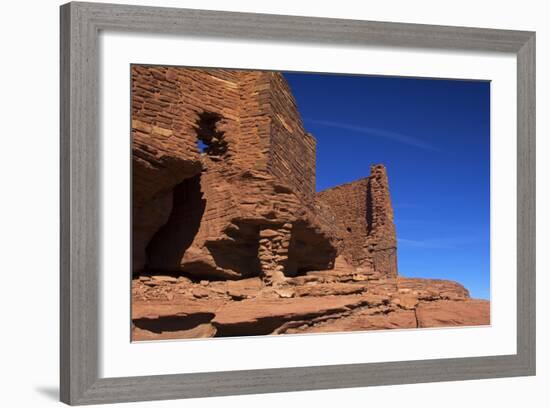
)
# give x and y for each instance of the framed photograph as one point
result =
(260, 203)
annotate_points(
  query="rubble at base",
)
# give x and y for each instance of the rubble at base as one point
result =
(338, 300)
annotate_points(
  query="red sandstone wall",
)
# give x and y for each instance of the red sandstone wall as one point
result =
(251, 144)
(166, 104)
(292, 148)
(348, 203)
(259, 120)
(258, 175)
(382, 241)
(364, 211)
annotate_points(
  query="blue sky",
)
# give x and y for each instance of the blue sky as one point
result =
(433, 137)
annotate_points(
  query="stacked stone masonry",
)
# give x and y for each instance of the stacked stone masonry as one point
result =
(364, 212)
(256, 172)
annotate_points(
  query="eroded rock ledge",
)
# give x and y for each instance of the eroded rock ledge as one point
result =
(343, 299)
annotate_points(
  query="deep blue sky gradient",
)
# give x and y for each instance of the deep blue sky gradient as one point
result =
(433, 136)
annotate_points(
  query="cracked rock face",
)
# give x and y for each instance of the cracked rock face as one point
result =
(319, 301)
(230, 237)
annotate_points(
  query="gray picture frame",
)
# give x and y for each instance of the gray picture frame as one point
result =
(80, 234)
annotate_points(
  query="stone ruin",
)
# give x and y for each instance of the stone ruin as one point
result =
(223, 179)
(224, 183)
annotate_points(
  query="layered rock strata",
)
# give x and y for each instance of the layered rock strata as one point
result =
(337, 300)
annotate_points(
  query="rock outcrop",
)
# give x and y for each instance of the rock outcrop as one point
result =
(229, 234)
(336, 300)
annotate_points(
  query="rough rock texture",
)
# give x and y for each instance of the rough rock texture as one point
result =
(365, 216)
(242, 207)
(337, 300)
(230, 237)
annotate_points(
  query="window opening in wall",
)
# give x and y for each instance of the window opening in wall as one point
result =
(202, 146)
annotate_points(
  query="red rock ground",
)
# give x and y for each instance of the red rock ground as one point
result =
(339, 300)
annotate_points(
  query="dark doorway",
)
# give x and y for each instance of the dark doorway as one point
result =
(166, 248)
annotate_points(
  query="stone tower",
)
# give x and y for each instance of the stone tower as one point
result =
(364, 214)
